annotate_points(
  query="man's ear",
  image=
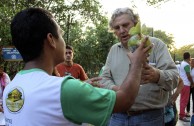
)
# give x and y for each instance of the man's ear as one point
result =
(51, 40)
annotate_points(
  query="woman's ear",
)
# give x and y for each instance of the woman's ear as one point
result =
(51, 40)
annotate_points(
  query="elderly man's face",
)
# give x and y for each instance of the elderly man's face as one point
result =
(121, 27)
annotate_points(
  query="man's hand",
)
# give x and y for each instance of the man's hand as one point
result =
(174, 98)
(95, 82)
(141, 53)
(115, 88)
(149, 74)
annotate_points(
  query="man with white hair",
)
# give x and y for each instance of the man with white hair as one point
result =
(157, 80)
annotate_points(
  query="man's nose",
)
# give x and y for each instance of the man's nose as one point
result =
(121, 29)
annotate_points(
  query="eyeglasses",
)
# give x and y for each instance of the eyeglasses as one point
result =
(68, 53)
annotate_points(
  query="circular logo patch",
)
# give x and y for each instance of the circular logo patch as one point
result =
(15, 99)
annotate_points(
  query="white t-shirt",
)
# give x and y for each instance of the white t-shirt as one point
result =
(34, 98)
(184, 69)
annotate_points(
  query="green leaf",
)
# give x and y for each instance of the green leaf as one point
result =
(134, 40)
(136, 29)
(148, 42)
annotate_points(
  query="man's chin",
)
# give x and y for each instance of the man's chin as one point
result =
(124, 42)
(67, 60)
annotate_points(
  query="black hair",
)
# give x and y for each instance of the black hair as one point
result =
(186, 55)
(69, 47)
(29, 29)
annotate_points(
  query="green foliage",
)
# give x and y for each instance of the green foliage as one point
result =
(74, 17)
(93, 47)
(156, 2)
(137, 36)
(85, 26)
(166, 38)
(136, 29)
(177, 54)
(7, 10)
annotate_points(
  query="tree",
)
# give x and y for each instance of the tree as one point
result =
(156, 2)
(166, 38)
(67, 14)
(94, 47)
(85, 26)
(178, 53)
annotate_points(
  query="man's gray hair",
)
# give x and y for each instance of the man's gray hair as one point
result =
(121, 11)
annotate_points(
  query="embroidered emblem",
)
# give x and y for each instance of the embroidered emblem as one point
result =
(15, 99)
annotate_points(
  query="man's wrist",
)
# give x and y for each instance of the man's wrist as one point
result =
(157, 75)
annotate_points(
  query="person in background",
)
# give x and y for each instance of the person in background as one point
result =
(36, 98)
(191, 91)
(69, 67)
(157, 80)
(170, 115)
(185, 70)
(4, 81)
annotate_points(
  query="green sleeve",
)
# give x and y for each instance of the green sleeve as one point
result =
(187, 69)
(83, 103)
